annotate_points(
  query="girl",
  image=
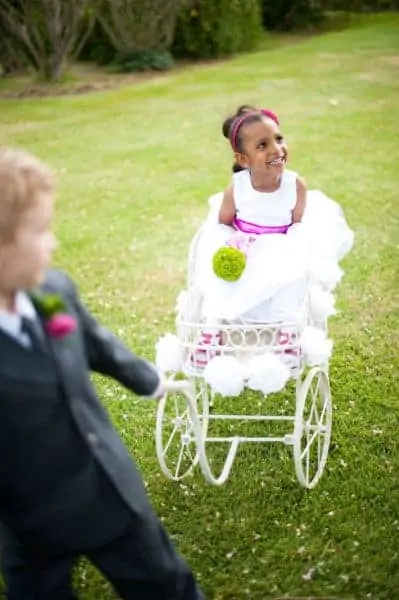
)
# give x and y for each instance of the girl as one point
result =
(285, 232)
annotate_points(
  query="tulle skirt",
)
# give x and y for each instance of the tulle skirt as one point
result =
(278, 267)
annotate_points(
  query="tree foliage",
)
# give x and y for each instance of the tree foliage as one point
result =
(47, 32)
(139, 25)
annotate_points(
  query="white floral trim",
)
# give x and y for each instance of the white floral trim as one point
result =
(225, 375)
(316, 346)
(168, 354)
(267, 373)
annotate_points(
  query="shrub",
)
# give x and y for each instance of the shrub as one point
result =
(47, 33)
(97, 47)
(209, 29)
(362, 5)
(139, 25)
(285, 15)
(142, 61)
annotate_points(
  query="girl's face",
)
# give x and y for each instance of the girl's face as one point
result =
(264, 151)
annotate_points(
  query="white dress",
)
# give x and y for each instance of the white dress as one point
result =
(278, 265)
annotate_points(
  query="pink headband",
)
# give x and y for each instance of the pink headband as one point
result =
(237, 124)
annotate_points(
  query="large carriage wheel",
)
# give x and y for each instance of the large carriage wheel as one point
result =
(182, 423)
(312, 432)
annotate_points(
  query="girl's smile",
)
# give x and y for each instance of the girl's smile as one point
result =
(278, 162)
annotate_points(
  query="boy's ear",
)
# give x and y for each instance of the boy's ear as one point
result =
(241, 159)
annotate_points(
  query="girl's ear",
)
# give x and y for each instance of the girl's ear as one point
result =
(241, 159)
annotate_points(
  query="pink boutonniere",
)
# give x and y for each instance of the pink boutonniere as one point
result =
(58, 323)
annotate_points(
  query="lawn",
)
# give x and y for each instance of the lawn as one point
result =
(136, 165)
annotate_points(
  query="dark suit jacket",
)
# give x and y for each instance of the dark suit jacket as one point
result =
(28, 376)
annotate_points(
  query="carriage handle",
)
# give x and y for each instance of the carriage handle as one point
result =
(184, 386)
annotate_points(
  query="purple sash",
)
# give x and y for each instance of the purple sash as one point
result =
(252, 228)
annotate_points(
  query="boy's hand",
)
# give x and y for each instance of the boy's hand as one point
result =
(160, 390)
(169, 385)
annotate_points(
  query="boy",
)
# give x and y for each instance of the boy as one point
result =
(67, 484)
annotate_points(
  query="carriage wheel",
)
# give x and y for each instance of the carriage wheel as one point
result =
(312, 432)
(180, 424)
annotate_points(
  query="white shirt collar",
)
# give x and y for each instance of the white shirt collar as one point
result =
(10, 322)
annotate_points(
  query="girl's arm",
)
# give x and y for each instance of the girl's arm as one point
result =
(227, 210)
(301, 189)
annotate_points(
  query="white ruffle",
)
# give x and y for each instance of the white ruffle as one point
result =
(182, 303)
(322, 303)
(326, 272)
(168, 354)
(188, 305)
(316, 346)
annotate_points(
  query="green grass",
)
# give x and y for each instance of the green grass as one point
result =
(136, 165)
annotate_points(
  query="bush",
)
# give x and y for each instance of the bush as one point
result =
(98, 48)
(139, 25)
(126, 62)
(285, 15)
(209, 29)
(362, 5)
(46, 34)
(12, 57)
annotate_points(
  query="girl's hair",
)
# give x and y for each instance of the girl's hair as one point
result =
(22, 179)
(232, 126)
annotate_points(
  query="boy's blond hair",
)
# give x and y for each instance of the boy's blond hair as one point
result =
(23, 178)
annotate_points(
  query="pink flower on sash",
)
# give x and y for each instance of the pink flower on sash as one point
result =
(240, 242)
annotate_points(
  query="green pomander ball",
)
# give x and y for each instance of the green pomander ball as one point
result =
(229, 263)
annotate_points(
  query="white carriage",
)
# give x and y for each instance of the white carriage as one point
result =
(192, 407)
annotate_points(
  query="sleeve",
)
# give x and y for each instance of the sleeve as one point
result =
(108, 355)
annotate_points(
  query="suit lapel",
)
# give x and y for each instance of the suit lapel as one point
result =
(19, 362)
(64, 352)
(8, 338)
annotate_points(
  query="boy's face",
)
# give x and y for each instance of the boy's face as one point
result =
(25, 258)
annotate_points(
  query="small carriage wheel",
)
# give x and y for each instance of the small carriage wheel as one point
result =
(181, 424)
(312, 431)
